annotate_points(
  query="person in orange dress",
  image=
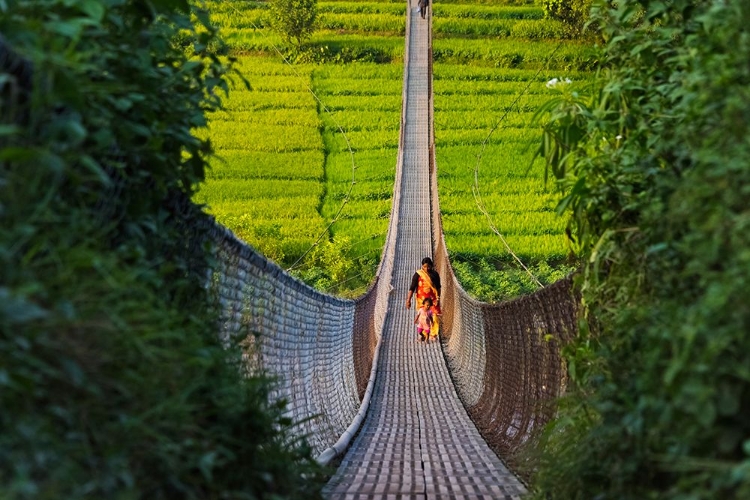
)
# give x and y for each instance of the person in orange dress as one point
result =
(426, 284)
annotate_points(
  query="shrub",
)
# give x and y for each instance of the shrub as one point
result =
(656, 163)
(112, 381)
(574, 13)
(294, 20)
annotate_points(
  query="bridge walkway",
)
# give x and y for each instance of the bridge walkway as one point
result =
(417, 440)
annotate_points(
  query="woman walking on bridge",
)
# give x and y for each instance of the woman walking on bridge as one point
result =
(423, 7)
(426, 284)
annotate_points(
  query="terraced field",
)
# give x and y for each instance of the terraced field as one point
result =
(309, 152)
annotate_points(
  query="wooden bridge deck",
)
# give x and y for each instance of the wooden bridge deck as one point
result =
(417, 440)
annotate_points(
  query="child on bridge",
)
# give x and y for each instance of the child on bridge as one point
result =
(424, 320)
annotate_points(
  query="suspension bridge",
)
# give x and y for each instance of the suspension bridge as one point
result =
(400, 418)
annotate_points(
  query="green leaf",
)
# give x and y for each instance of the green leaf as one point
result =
(16, 309)
(95, 9)
(7, 130)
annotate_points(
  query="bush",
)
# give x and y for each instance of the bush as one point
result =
(656, 163)
(112, 381)
(294, 20)
(501, 281)
(540, 29)
(574, 13)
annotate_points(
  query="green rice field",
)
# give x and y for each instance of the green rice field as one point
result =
(306, 156)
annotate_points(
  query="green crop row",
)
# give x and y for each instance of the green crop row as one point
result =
(492, 160)
(274, 116)
(266, 182)
(368, 165)
(365, 238)
(244, 164)
(279, 209)
(364, 7)
(505, 92)
(325, 45)
(338, 85)
(490, 12)
(517, 223)
(260, 101)
(512, 137)
(278, 239)
(360, 140)
(262, 137)
(222, 190)
(442, 26)
(495, 203)
(523, 28)
(364, 22)
(231, 19)
(464, 118)
(514, 53)
(338, 73)
(529, 248)
(466, 73)
(363, 103)
(497, 105)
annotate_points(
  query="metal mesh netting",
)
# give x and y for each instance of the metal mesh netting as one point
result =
(318, 346)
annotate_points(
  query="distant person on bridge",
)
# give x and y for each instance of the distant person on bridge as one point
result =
(426, 284)
(423, 7)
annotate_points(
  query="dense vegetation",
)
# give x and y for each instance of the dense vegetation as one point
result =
(655, 163)
(112, 381)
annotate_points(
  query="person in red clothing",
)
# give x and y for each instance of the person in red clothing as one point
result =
(426, 284)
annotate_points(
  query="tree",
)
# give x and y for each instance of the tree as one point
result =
(294, 19)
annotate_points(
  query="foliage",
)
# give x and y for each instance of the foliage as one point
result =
(328, 268)
(655, 163)
(294, 20)
(112, 381)
(574, 13)
(515, 53)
